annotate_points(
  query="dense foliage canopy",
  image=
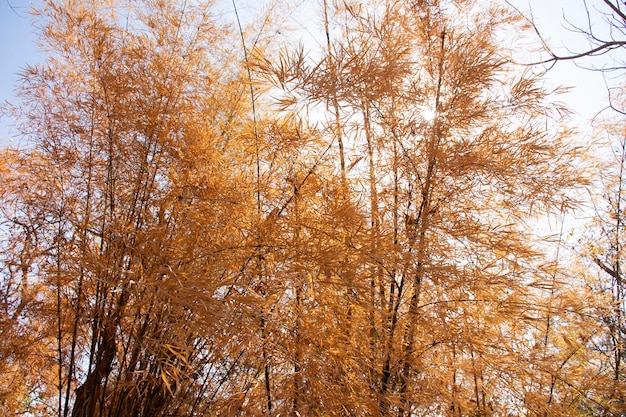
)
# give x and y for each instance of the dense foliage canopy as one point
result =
(207, 220)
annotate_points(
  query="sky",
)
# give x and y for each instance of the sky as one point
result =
(17, 49)
(555, 21)
(587, 96)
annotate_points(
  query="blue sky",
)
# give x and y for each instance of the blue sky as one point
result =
(17, 49)
(587, 97)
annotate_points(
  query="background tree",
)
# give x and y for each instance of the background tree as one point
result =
(604, 249)
(604, 30)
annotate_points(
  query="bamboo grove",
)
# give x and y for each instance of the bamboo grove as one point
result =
(206, 220)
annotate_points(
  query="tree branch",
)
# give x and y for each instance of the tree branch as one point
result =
(616, 9)
(599, 50)
(606, 268)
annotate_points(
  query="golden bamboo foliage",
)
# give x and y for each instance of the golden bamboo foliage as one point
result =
(209, 222)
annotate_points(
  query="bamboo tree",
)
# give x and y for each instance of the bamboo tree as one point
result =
(131, 156)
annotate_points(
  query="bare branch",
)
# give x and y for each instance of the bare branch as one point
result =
(616, 9)
(616, 19)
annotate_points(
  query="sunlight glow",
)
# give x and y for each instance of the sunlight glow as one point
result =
(429, 115)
